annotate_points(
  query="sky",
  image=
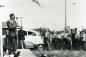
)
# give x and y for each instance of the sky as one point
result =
(51, 15)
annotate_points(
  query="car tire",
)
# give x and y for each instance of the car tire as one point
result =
(40, 46)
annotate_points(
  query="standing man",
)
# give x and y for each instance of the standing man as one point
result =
(21, 38)
(12, 40)
(47, 38)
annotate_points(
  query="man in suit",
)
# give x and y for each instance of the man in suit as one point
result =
(12, 40)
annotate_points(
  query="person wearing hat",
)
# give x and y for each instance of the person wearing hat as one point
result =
(12, 40)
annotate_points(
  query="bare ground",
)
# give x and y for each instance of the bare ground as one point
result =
(60, 53)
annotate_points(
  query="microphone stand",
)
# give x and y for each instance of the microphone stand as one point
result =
(22, 40)
(17, 34)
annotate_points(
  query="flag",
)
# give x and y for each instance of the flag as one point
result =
(2, 6)
(36, 1)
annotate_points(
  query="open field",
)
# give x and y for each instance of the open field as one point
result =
(60, 53)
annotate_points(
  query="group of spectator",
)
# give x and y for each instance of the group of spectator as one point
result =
(71, 39)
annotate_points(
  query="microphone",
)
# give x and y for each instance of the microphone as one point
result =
(16, 17)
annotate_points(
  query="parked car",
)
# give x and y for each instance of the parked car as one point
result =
(33, 39)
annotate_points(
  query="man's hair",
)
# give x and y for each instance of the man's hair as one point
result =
(11, 14)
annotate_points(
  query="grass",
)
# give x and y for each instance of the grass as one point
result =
(60, 53)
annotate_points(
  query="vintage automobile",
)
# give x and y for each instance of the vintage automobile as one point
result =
(33, 39)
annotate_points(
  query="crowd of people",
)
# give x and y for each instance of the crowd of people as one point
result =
(71, 39)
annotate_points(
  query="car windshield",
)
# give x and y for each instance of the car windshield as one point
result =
(31, 33)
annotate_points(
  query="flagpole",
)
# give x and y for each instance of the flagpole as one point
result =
(65, 17)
